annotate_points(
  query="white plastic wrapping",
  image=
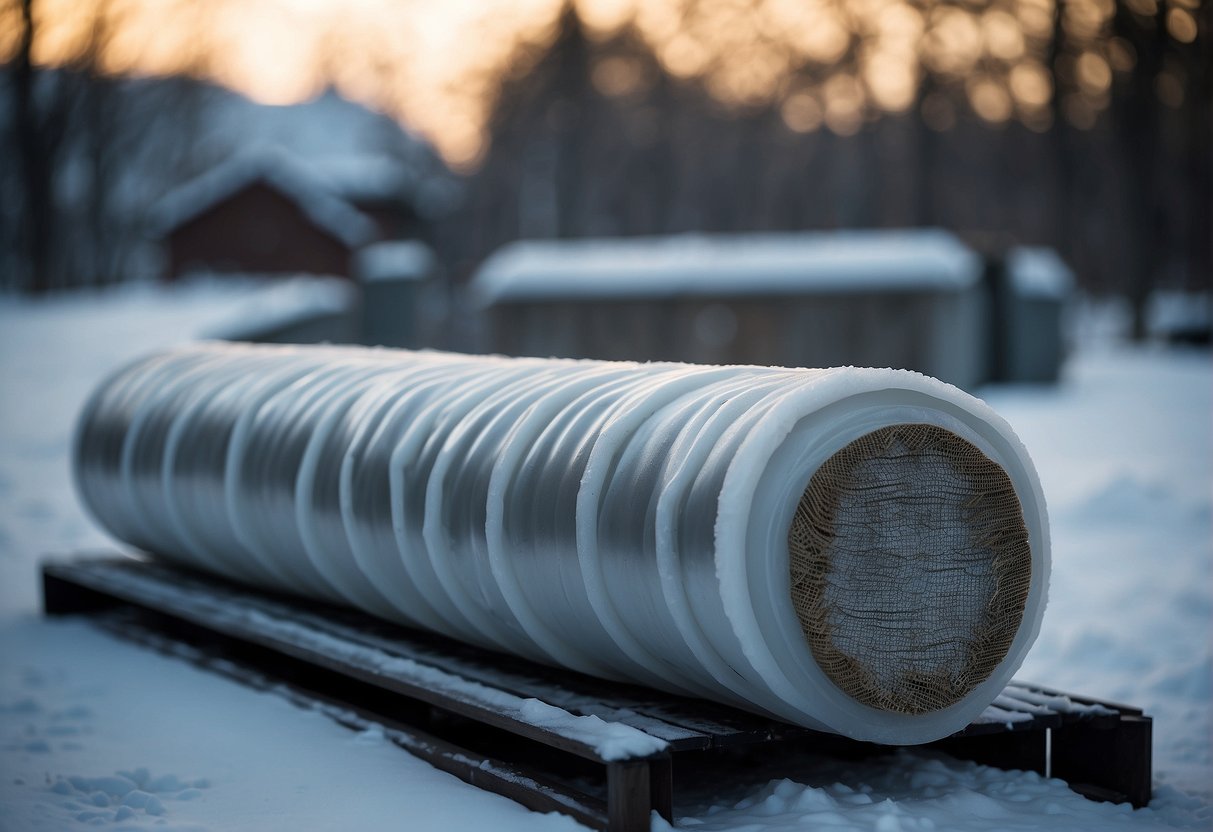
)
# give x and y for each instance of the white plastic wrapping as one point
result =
(629, 521)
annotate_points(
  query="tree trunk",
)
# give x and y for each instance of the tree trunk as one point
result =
(36, 171)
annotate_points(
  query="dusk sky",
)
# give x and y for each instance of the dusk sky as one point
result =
(830, 64)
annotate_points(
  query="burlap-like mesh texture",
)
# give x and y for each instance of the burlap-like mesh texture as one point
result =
(910, 567)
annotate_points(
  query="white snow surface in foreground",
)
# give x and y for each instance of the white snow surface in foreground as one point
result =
(94, 731)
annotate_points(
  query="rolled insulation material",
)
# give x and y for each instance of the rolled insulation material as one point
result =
(855, 550)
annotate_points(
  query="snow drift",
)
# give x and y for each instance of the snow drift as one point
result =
(862, 551)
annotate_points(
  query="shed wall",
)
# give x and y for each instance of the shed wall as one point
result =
(936, 333)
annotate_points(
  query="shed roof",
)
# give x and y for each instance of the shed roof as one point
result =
(278, 169)
(1039, 273)
(396, 260)
(726, 266)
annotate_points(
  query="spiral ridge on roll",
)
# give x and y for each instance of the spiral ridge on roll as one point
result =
(856, 550)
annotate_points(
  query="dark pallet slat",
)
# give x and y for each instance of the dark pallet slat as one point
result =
(457, 706)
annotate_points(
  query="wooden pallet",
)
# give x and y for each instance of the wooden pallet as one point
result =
(468, 711)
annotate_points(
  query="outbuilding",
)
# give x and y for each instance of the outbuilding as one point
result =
(911, 299)
(262, 212)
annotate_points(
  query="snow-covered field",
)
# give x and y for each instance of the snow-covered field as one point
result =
(94, 731)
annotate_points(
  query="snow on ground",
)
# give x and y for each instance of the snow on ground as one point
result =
(94, 731)
(1124, 453)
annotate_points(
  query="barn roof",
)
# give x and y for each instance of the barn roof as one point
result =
(299, 182)
(727, 266)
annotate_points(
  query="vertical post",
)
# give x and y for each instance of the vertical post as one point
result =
(395, 278)
(629, 798)
(1106, 760)
(1000, 327)
(661, 786)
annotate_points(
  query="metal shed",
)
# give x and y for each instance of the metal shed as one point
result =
(1036, 291)
(912, 299)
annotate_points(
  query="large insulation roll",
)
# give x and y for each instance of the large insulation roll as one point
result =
(856, 550)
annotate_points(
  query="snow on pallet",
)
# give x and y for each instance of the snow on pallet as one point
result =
(553, 740)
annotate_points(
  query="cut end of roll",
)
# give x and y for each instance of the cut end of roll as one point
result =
(910, 567)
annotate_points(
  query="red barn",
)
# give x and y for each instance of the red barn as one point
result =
(262, 213)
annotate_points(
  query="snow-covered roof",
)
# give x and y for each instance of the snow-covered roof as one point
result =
(395, 260)
(365, 176)
(278, 169)
(327, 126)
(361, 153)
(727, 265)
(1039, 273)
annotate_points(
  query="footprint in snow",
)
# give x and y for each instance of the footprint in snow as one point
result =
(124, 796)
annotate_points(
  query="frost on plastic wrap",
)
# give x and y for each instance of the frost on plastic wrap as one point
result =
(705, 530)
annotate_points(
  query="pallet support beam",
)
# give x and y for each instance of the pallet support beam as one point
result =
(1101, 749)
(1106, 760)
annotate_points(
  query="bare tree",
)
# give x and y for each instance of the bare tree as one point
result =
(1093, 138)
(82, 157)
(40, 113)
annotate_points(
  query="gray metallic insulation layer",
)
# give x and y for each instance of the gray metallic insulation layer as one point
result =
(631, 521)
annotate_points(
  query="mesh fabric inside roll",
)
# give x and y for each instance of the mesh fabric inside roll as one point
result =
(910, 567)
